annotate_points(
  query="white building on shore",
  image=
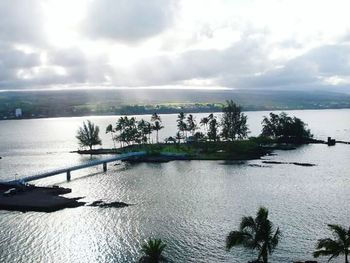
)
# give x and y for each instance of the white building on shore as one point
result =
(18, 113)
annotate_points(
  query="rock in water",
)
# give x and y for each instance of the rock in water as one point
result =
(102, 204)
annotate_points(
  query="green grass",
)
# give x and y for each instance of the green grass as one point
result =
(235, 150)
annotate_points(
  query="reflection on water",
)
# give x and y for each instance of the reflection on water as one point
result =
(192, 205)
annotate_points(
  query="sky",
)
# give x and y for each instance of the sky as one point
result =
(204, 44)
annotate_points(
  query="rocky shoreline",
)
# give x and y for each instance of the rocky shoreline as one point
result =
(26, 198)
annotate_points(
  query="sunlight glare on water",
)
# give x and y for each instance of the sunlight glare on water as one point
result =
(191, 205)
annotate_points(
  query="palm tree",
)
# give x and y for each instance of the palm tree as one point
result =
(109, 129)
(213, 134)
(120, 126)
(88, 135)
(149, 131)
(191, 124)
(178, 137)
(204, 122)
(155, 117)
(181, 125)
(142, 126)
(157, 127)
(334, 247)
(152, 251)
(256, 234)
(157, 123)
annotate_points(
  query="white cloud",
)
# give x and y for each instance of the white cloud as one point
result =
(237, 44)
(128, 20)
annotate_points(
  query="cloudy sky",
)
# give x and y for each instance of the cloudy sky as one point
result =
(284, 44)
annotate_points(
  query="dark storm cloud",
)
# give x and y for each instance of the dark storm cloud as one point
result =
(128, 20)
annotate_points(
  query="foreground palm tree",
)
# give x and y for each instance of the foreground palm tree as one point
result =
(334, 247)
(256, 234)
(152, 251)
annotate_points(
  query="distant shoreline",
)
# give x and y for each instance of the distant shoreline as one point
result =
(169, 113)
(82, 103)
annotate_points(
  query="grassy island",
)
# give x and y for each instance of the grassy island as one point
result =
(224, 138)
(249, 149)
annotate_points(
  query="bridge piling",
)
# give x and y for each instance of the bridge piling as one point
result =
(105, 167)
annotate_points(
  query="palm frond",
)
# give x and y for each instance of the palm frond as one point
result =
(237, 238)
(248, 222)
(339, 231)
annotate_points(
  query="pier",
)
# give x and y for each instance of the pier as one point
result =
(68, 170)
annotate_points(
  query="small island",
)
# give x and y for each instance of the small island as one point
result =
(225, 138)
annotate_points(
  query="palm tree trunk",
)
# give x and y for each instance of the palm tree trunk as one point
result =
(113, 140)
(157, 136)
(346, 258)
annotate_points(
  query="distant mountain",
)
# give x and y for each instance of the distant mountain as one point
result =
(138, 101)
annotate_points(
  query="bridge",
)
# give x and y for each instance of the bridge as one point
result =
(68, 170)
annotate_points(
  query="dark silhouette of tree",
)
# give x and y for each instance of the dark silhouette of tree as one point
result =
(181, 125)
(128, 132)
(256, 234)
(157, 126)
(191, 124)
(283, 127)
(234, 122)
(109, 129)
(199, 136)
(340, 245)
(118, 129)
(88, 135)
(152, 251)
(213, 134)
(204, 122)
(149, 131)
(178, 137)
(155, 117)
(144, 130)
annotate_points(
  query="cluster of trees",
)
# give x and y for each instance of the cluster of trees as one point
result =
(259, 234)
(232, 125)
(130, 131)
(284, 127)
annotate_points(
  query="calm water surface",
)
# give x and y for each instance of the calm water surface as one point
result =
(192, 205)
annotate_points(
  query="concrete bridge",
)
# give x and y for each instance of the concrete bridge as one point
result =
(68, 170)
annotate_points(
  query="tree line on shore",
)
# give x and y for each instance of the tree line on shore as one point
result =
(231, 126)
(258, 234)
